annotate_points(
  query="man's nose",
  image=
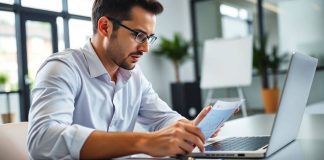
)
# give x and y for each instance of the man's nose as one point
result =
(144, 47)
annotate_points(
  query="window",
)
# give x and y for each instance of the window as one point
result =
(60, 32)
(233, 12)
(45, 5)
(234, 21)
(80, 35)
(229, 11)
(76, 7)
(39, 45)
(8, 50)
(9, 103)
(7, 1)
(294, 34)
(233, 27)
(243, 14)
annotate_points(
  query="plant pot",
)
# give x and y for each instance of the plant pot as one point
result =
(186, 99)
(8, 117)
(270, 99)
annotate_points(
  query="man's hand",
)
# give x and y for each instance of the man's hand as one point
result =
(215, 134)
(180, 138)
(202, 115)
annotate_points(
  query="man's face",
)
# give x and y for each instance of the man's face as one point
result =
(123, 49)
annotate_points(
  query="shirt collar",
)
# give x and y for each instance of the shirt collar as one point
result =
(95, 66)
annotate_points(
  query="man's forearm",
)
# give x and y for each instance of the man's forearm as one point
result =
(113, 144)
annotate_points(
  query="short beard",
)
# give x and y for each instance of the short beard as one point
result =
(123, 64)
(126, 66)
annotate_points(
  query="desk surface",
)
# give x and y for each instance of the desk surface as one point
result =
(312, 126)
(308, 145)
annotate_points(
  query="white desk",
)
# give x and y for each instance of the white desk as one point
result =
(312, 126)
(315, 108)
(309, 144)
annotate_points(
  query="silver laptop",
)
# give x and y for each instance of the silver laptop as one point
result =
(287, 121)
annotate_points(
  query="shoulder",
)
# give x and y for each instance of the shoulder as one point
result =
(60, 70)
(67, 63)
(69, 56)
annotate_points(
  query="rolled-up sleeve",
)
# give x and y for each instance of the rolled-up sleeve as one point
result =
(154, 113)
(51, 134)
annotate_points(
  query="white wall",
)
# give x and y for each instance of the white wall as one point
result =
(301, 25)
(159, 70)
(208, 25)
(176, 18)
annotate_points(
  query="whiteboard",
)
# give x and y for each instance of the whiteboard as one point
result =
(227, 63)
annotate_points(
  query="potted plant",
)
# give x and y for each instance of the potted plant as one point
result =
(3, 81)
(184, 95)
(6, 117)
(176, 50)
(262, 62)
(274, 64)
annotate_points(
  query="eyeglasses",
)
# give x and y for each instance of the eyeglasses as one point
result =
(140, 37)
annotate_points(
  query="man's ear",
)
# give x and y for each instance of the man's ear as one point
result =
(105, 27)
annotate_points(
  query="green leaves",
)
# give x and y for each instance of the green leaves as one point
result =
(275, 60)
(262, 61)
(3, 78)
(175, 49)
(259, 55)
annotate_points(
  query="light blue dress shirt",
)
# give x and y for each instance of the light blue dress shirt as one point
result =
(73, 95)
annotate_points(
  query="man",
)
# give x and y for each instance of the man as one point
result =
(85, 102)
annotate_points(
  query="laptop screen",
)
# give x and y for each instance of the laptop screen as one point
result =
(293, 101)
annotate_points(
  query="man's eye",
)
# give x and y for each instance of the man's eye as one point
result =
(142, 35)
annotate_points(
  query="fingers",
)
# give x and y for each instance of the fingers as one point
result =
(190, 134)
(186, 147)
(217, 131)
(192, 140)
(237, 110)
(194, 135)
(215, 134)
(180, 151)
(201, 115)
(195, 131)
(183, 147)
(179, 138)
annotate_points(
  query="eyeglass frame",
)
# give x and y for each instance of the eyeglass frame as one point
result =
(150, 39)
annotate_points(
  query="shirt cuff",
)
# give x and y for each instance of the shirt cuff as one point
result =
(77, 135)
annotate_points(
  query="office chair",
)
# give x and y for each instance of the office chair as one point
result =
(13, 141)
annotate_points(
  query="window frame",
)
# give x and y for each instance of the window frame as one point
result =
(21, 15)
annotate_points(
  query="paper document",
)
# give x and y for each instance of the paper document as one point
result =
(219, 113)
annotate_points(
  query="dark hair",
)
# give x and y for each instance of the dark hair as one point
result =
(120, 9)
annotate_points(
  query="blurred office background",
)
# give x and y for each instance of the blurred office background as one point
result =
(31, 30)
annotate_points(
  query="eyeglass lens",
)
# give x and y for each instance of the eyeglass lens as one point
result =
(141, 37)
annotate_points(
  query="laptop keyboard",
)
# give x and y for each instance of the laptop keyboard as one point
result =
(239, 144)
